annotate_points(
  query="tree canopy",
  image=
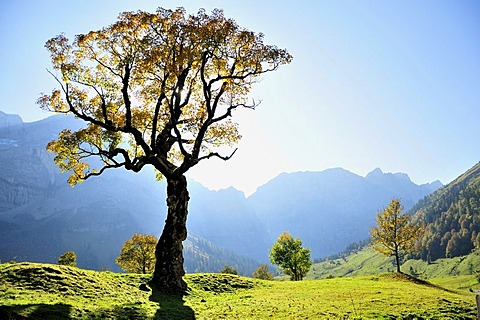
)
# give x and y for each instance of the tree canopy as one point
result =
(395, 233)
(138, 254)
(155, 88)
(290, 256)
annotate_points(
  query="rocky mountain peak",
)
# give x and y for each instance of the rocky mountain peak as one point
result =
(9, 120)
(377, 175)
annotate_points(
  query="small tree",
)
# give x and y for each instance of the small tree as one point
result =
(229, 270)
(69, 258)
(138, 254)
(289, 255)
(395, 233)
(263, 273)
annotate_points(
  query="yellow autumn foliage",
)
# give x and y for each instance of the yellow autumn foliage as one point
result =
(155, 88)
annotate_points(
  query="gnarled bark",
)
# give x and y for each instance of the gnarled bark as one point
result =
(169, 256)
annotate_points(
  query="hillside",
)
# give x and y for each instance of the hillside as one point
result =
(452, 217)
(202, 255)
(38, 291)
(452, 230)
(368, 262)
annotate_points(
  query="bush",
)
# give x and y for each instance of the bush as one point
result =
(229, 270)
(69, 258)
(263, 273)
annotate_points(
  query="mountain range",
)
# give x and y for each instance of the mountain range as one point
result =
(331, 209)
(41, 216)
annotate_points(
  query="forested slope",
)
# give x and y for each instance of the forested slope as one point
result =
(452, 217)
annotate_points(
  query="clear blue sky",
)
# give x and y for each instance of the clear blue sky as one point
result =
(389, 84)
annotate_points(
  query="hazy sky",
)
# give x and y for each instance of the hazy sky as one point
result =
(389, 84)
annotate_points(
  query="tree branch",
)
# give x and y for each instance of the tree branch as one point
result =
(175, 106)
(217, 155)
(155, 117)
(232, 107)
(104, 103)
(126, 98)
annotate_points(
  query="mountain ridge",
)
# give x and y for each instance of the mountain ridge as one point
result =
(338, 205)
(97, 216)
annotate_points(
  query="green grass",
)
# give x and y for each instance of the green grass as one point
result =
(463, 283)
(369, 262)
(466, 265)
(43, 291)
(364, 262)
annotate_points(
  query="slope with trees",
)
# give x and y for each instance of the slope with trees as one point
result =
(369, 262)
(450, 237)
(202, 255)
(156, 89)
(452, 217)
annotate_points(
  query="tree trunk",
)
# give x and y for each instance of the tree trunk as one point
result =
(168, 253)
(477, 298)
(397, 260)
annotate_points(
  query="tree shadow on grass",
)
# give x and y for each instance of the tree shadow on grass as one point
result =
(35, 311)
(129, 311)
(171, 305)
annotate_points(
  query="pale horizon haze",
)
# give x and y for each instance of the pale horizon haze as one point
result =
(387, 84)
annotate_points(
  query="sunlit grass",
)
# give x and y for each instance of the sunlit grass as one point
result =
(369, 262)
(385, 296)
(42, 291)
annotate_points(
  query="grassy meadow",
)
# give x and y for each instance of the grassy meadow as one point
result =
(45, 291)
(369, 262)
